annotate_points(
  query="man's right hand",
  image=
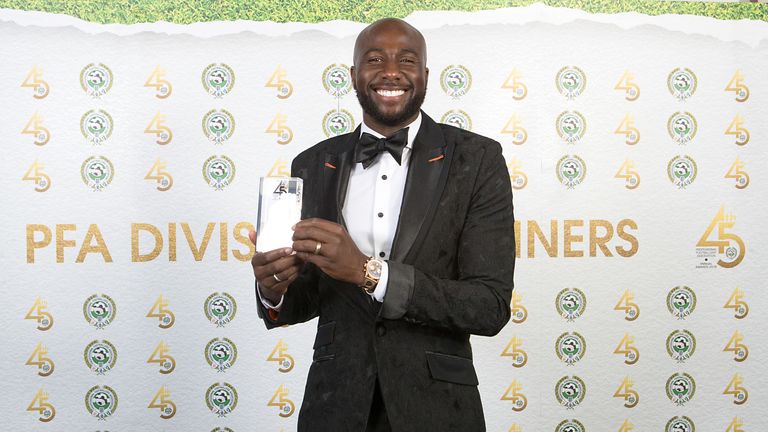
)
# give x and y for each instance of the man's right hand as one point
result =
(274, 270)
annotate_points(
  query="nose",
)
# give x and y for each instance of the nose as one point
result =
(391, 69)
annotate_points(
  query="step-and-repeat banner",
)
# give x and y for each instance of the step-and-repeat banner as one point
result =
(130, 166)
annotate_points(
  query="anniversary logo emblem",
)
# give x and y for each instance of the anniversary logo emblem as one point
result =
(221, 354)
(457, 118)
(218, 79)
(513, 350)
(39, 313)
(45, 365)
(570, 391)
(571, 303)
(280, 400)
(35, 128)
(628, 85)
(680, 424)
(337, 80)
(517, 176)
(571, 425)
(96, 126)
(682, 83)
(282, 86)
(101, 401)
(280, 356)
(738, 87)
(218, 171)
(682, 127)
(519, 312)
(338, 122)
(100, 356)
(44, 409)
(728, 248)
(163, 402)
(570, 347)
(680, 388)
(161, 357)
(571, 82)
(571, 170)
(221, 398)
(160, 310)
(96, 80)
(682, 171)
(628, 129)
(36, 174)
(220, 308)
(571, 126)
(515, 83)
(99, 310)
(35, 81)
(218, 125)
(163, 88)
(681, 344)
(735, 346)
(627, 305)
(456, 81)
(681, 301)
(97, 172)
(737, 303)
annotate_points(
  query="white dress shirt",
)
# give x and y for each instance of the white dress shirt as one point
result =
(372, 205)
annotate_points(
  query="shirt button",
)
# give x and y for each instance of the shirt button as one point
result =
(381, 214)
(382, 254)
(384, 177)
(381, 330)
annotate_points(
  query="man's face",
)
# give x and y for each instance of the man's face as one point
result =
(390, 74)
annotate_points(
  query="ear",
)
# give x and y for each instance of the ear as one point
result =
(352, 75)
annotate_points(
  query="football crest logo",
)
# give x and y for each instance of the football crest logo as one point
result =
(571, 170)
(101, 401)
(681, 344)
(99, 310)
(570, 391)
(570, 347)
(218, 171)
(96, 126)
(220, 308)
(571, 82)
(571, 126)
(456, 81)
(682, 127)
(97, 172)
(457, 118)
(338, 122)
(221, 354)
(336, 80)
(218, 79)
(218, 125)
(682, 83)
(571, 303)
(681, 301)
(96, 80)
(100, 356)
(680, 388)
(682, 171)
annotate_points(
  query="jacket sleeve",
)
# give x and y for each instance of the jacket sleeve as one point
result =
(477, 301)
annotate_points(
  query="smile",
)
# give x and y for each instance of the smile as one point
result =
(390, 93)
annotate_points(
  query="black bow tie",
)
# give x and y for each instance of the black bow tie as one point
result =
(369, 147)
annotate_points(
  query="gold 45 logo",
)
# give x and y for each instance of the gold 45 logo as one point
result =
(36, 174)
(514, 395)
(281, 357)
(729, 246)
(280, 400)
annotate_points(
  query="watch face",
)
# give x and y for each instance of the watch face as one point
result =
(374, 269)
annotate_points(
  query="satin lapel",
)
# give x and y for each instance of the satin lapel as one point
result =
(427, 175)
(336, 169)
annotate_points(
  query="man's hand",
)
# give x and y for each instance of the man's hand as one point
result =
(337, 254)
(274, 270)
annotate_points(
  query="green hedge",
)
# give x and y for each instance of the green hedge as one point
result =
(189, 11)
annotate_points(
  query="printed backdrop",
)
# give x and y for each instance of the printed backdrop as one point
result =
(130, 171)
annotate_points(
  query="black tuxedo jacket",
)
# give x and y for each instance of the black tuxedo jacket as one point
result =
(450, 275)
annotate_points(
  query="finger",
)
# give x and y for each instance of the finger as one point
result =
(320, 261)
(262, 258)
(310, 247)
(319, 223)
(315, 233)
(252, 236)
(281, 264)
(288, 274)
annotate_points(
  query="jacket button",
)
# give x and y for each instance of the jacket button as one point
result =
(381, 330)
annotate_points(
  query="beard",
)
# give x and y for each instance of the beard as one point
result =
(410, 109)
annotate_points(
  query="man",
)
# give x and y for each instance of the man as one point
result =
(402, 253)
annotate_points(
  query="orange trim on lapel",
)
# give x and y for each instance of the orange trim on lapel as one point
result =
(329, 165)
(436, 158)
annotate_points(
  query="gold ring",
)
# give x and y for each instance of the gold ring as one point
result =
(317, 248)
(274, 275)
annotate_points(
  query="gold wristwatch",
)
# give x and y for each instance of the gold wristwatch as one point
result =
(372, 273)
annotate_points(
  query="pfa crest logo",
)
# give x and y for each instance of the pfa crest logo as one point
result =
(681, 344)
(682, 83)
(570, 347)
(96, 126)
(680, 388)
(338, 122)
(220, 308)
(571, 303)
(337, 80)
(100, 356)
(680, 424)
(571, 126)
(218, 171)
(218, 125)
(571, 170)
(97, 172)
(682, 171)
(728, 248)
(681, 301)
(218, 79)
(280, 356)
(39, 358)
(457, 118)
(221, 354)
(221, 398)
(456, 81)
(96, 80)
(99, 310)
(571, 81)
(570, 391)
(101, 401)
(682, 127)
(571, 425)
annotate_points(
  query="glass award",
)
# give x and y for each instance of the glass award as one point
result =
(279, 210)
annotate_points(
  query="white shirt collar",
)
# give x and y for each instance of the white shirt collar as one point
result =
(413, 130)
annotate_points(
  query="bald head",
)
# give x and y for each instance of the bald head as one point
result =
(389, 26)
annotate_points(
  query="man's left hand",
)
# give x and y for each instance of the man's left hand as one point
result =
(337, 254)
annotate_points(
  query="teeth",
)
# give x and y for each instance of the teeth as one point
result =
(390, 93)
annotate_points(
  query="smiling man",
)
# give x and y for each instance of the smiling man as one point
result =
(406, 248)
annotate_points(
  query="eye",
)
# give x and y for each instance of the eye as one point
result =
(407, 60)
(375, 60)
